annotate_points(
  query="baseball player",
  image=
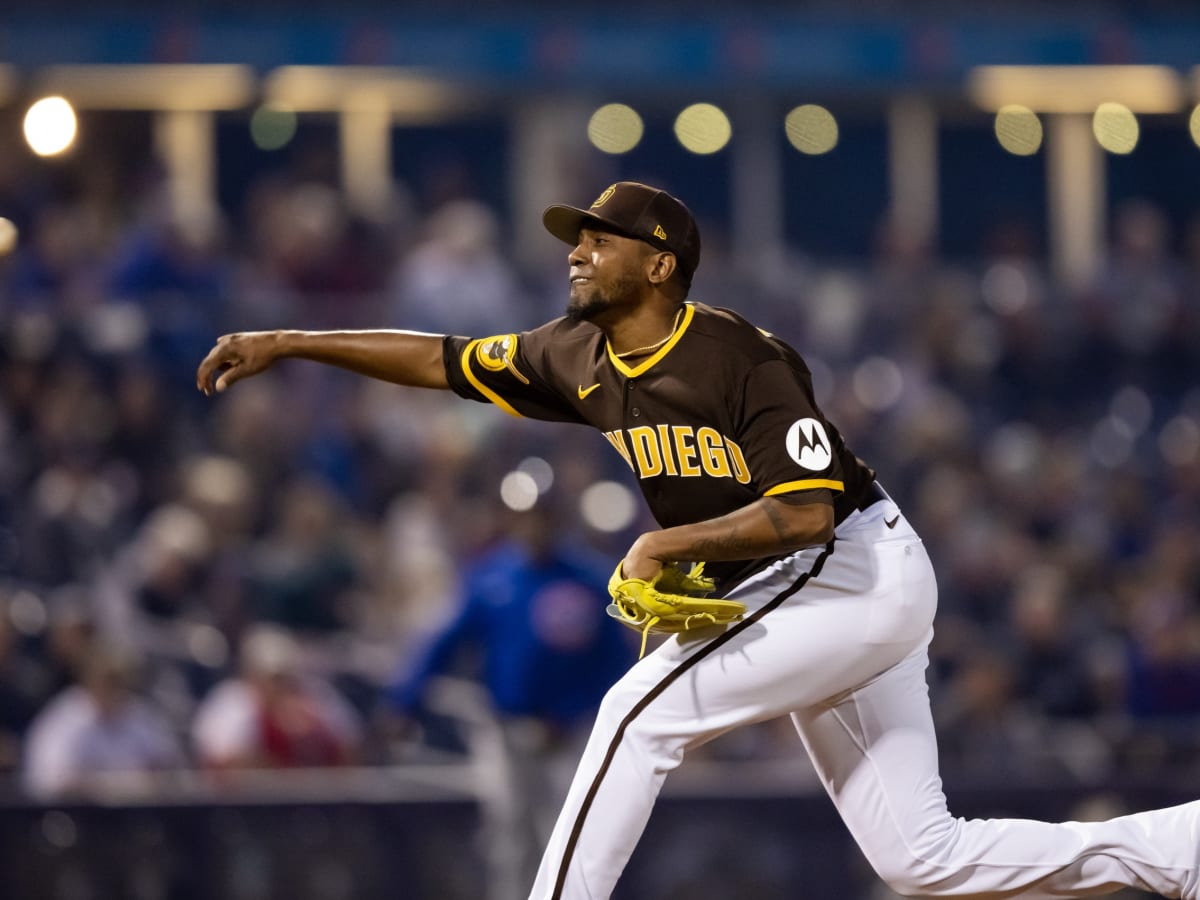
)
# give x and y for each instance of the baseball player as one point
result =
(836, 593)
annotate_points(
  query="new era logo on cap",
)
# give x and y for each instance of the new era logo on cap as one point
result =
(637, 211)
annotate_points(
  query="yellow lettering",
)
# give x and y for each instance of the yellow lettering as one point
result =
(617, 439)
(686, 451)
(664, 441)
(645, 450)
(740, 470)
(679, 450)
(712, 453)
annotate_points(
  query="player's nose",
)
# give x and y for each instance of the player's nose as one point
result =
(576, 257)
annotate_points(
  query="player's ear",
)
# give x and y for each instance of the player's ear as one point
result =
(661, 267)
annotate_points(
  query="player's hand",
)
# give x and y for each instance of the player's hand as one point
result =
(638, 562)
(237, 356)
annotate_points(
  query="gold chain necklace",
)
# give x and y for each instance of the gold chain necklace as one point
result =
(655, 346)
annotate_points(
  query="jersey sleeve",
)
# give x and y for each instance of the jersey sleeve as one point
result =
(785, 438)
(511, 371)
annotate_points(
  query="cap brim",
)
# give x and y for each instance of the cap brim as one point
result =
(565, 222)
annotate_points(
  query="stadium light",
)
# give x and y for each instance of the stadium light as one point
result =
(50, 126)
(615, 128)
(811, 129)
(703, 128)
(158, 88)
(1018, 129)
(1115, 127)
(1077, 89)
(409, 96)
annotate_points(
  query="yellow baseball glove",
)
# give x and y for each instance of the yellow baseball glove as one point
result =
(673, 601)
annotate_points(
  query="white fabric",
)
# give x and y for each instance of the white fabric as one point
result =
(846, 657)
(70, 740)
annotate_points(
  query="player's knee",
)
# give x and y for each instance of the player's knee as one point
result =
(640, 725)
(902, 878)
(921, 867)
(619, 701)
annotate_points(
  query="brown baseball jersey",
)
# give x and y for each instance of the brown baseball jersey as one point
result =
(719, 416)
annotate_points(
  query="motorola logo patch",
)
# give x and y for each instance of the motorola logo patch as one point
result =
(808, 445)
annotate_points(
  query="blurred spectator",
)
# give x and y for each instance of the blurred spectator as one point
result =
(532, 628)
(276, 714)
(70, 635)
(1052, 674)
(456, 281)
(302, 572)
(97, 729)
(1045, 437)
(25, 680)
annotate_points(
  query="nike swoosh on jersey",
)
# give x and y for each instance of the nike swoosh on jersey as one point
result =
(891, 523)
(583, 392)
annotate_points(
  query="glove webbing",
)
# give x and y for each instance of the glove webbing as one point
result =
(634, 614)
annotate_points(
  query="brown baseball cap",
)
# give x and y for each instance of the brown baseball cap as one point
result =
(637, 211)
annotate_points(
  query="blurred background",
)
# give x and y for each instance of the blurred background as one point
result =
(326, 638)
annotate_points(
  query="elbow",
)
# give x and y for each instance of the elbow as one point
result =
(822, 530)
(800, 526)
(825, 532)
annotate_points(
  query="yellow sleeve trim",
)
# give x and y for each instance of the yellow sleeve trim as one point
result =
(480, 386)
(789, 487)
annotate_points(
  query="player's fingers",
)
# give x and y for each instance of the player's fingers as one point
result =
(220, 356)
(234, 373)
(208, 365)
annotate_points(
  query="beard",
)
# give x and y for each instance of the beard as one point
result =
(586, 304)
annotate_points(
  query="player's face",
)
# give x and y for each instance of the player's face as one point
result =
(607, 273)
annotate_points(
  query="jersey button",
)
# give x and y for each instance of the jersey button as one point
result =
(631, 384)
(635, 412)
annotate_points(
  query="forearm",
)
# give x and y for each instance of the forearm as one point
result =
(402, 357)
(767, 527)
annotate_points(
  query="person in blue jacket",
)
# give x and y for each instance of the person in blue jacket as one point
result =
(531, 628)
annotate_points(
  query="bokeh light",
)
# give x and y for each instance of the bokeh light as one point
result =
(27, 613)
(878, 383)
(1132, 406)
(1179, 441)
(272, 127)
(208, 646)
(59, 829)
(1115, 128)
(1194, 126)
(1111, 442)
(615, 128)
(50, 126)
(8, 236)
(703, 128)
(1005, 288)
(1019, 130)
(608, 506)
(539, 470)
(811, 129)
(1013, 452)
(518, 491)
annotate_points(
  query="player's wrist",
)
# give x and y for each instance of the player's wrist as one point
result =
(641, 561)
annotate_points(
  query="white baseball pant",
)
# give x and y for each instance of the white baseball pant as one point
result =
(838, 639)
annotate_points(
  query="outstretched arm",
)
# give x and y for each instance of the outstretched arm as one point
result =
(402, 357)
(766, 527)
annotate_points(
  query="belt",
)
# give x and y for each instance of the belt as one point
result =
(872, 495)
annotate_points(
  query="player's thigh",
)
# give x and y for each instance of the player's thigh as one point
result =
(858, 616)
(875, 751)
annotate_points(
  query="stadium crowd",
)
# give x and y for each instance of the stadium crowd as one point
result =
(255, 580)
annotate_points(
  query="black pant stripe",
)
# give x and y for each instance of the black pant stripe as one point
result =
(667, 681)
